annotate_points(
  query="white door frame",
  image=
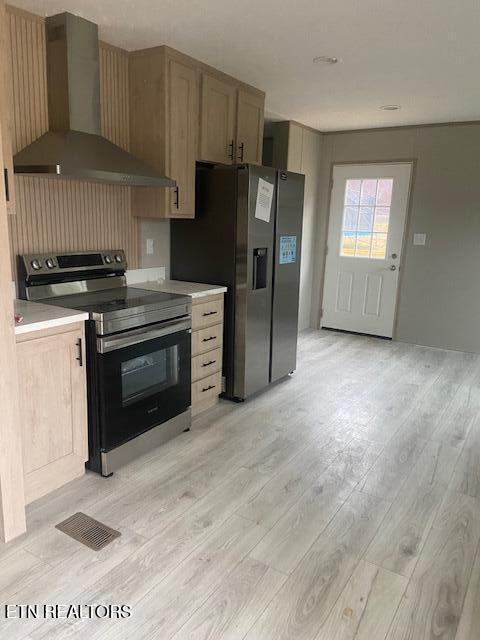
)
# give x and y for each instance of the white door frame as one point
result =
(413, 163)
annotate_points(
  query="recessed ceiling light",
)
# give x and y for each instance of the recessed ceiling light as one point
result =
(326, 59)
(390, 107)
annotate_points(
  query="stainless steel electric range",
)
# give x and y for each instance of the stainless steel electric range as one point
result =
(138, 350)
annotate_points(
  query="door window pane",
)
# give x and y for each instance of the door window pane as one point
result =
(350, 219)
(379, 245)
(366, 217)
(365, 220)
(384, 192)
(364, 242)
(147, 375)
(348, 243)
(382, 215)
(352, 192)
(369, 192)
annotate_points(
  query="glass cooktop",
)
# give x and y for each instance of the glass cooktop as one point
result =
(112, 300)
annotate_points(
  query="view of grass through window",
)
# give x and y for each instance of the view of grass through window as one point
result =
(366, 215)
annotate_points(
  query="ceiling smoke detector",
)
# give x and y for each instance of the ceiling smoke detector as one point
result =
(390, 107)
(326, 60)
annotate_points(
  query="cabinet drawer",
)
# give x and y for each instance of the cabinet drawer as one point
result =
(207, 313)
(208, 339)
(206, 364)
(206, 389)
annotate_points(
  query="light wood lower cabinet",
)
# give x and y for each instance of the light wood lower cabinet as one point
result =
(206, 364)
(205, 393)
(207, 350)
(204, 314)
(53, 407)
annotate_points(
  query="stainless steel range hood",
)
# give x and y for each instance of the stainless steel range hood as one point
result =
(73, 147)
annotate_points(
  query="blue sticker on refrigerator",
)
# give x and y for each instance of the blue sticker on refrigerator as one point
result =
(288, 250)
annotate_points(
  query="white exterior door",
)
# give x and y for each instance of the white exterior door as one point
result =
(367, 219)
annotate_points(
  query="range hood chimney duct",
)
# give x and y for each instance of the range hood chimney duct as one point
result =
(73, 74)
(74, 148)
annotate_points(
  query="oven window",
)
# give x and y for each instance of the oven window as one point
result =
(149, 374)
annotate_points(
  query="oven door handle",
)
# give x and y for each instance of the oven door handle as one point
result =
(130, 338)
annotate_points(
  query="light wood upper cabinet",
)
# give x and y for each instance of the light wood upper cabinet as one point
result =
(6, 153)
(182, 115)
(164, 129)
(218, 116)
(181, 111)
(249, 138)
(231, 124)
(53, 407)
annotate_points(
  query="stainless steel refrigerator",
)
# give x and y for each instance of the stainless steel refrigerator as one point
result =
(247, 235)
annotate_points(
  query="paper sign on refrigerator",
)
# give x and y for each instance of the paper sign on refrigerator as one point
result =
(263, 206)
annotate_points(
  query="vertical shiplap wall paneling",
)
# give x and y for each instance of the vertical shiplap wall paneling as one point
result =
(66, 215)
(114, 94)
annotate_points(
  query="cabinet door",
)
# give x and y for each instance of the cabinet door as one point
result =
(217, 127)
(183, 121)
(250, 113)
(6, 153)
(53, 411)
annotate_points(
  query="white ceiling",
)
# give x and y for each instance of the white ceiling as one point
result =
(421, 54)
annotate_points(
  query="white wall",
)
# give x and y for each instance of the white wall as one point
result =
(159, 232)
(298, 148)
(439, 302)
(309, 165)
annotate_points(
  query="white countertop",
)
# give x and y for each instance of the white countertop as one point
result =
(38, 316)
(192, 289)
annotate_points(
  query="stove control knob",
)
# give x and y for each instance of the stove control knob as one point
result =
(108, 259)
(50, 262)
(118, 258)
(36, 264)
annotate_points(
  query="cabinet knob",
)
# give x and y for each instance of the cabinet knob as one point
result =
(232, 150)
(176, 204)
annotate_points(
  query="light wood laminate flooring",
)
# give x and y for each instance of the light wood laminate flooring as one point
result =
(341, 504)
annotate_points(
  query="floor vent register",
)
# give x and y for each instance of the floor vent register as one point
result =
(88, 531)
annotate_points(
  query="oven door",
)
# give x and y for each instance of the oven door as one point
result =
(144, 379)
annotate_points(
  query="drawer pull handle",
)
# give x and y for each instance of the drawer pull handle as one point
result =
(210, 313)
(208, 339)
(210, 386)
(207, 364)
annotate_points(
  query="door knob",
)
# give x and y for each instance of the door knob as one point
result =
(394, 255)
(393, 267)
